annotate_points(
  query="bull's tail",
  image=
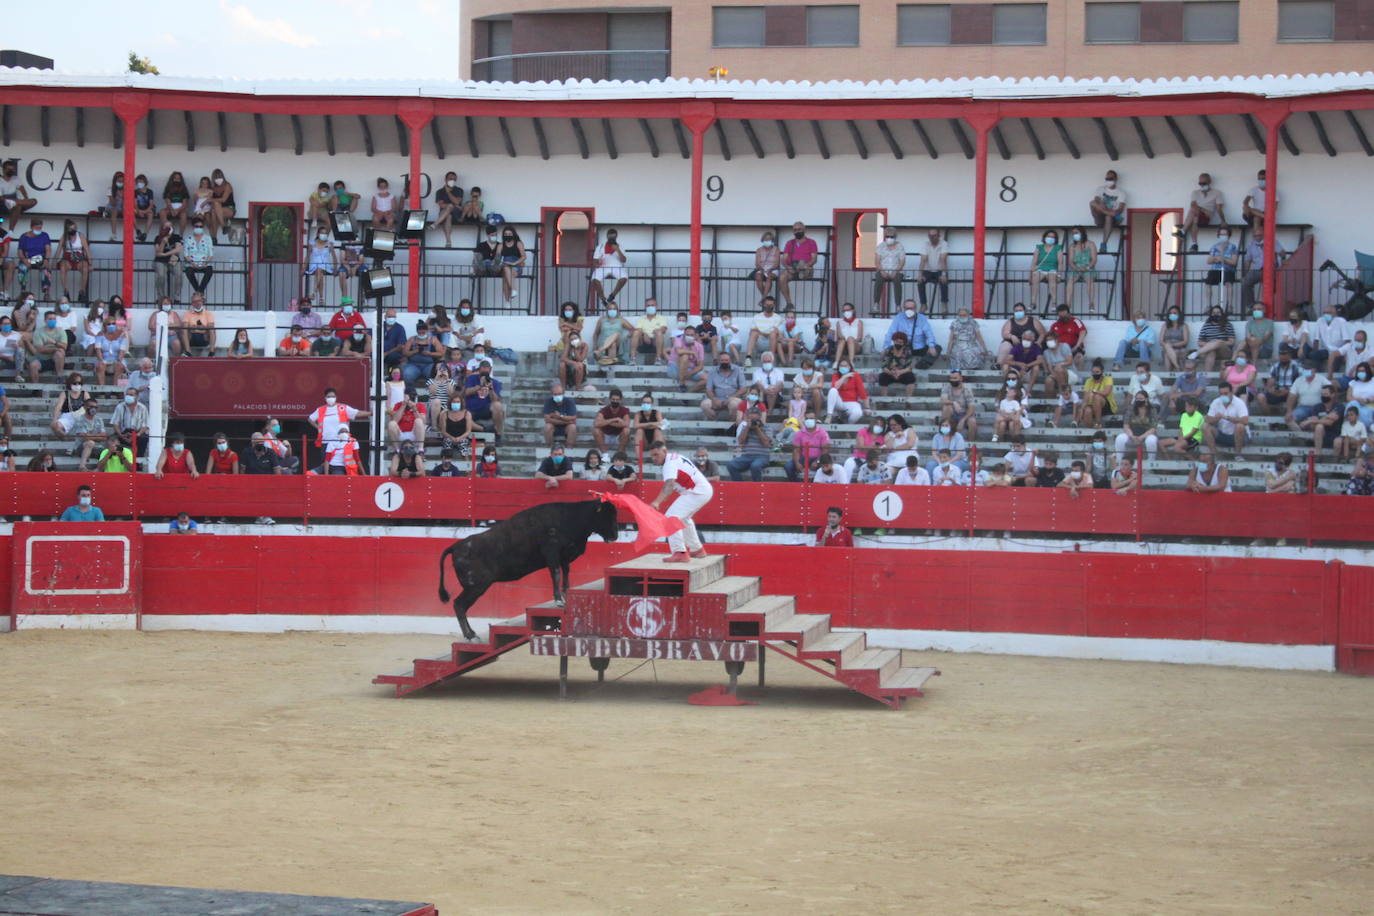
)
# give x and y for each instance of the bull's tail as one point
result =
(443, 570)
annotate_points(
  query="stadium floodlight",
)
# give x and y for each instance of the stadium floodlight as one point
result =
(379, 244)
(413, 227)
(378, 282)
(342, 223)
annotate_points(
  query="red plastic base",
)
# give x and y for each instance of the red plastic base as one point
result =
(717, 696)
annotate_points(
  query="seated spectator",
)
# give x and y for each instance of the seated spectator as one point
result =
(271, 433)
(167, 275)
(7, 455)
(420, 354)
(766, 263)
(408, 421)
(934, 267)
(342, 324)
(358, 345)
(1256, 202)
(560, 417)
(957, 406)
(728, 338)
(920, 335)
(490, 465)
(486, 254)
(944, 471)
(84, 510)
(1259, 333)
(899, 442)
(799, 257)
(611, 338)
(1206, 207)
(111, 348)
(1361, 482)
(687, 361)
(1206, 476)
(14, 197)
(834, 534)
(1352, 437)
(873, 470)
(1352, 354)
(949, 440)
(294, 343)
(1013, 413)
(513, 257)
(1138, 430)
(43, 461)
(709, 469)
(1137, 343)
(1215, 339)
(130, 419)
(755, 449)
(766, 328)
(872, 436)
(1223, 259)
(383, 206)
(199, 326)
(320, 204)
(1278, 384)
(482, 395)
(1282, 477)
(592, 469)
(555, 469)
(620, 472)
(1066, 401)
(12, 345)
(1146, 382)
(1077, 480)
(1326, 422)
(1047, 471)
(445, 467)
(1190, 423)
(889, 270)
(994, 476)
(572, 362)
(790, 340)
(89, 432)
(847, 394)
(1187, 384)
(393, 340)
(1024, 360)
(1014, 329)
(408, 461)
(115, 457)
(612, 421)
(198, 257)
(1296, 333)
(797, 405)
(1047, 264)
(1099, 398)
(809, 446)
(1361, 392)
(449, 199)
(141, 379)
(1080, 266)
(1067, 329)
(182, 524)
(1098, 462)
(724, 388)
(473, 206)
(1125, 478)
(240, 347)
(1174, 339)
(912, 474)
(1227, 422)
(828, 471)
(1020, 463)
(650, 333)
(898, 363)
(47, 347)
(610, 268)
(258, 458)
(1304, 397)
(1240, 373)
(467, 333)
(1330, 334)
(35, 257)
(1056, 358)
(850, 332)
(1108, 206)
(768, 381)
(649, 424)
(222, 459)
(826, 345)
(571, 323)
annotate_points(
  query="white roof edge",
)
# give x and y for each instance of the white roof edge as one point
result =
(985, 87)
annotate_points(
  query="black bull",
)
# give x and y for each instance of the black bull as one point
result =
(549, 537)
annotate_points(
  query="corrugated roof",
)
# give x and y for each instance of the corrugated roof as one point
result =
(1270, 86)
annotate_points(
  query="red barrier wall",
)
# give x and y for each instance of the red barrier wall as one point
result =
(69, 568)
(1150, 513)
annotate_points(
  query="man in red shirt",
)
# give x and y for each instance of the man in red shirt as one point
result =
(612, 420)
(344, 321)
(834, 534)
(1068, 329)
(407, 422)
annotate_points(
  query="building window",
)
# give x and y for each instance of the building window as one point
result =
(1112, 23)
(1211, 22)
(1307, 20)
(832, 26)
(971, 24)
(737, 27)
(927, 24)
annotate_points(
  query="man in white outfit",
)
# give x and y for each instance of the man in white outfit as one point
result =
(693, 490)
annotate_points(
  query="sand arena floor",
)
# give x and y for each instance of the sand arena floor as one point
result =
(1016, 785)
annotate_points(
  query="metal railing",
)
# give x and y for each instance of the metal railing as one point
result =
(548, 66)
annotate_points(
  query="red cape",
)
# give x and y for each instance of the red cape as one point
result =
(652, 523)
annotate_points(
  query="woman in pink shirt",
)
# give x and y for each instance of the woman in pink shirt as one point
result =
(1241, 374)
(872, 435)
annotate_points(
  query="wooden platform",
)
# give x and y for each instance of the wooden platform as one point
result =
(21, 895)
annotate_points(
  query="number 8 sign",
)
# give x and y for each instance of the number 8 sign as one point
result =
(887, 505)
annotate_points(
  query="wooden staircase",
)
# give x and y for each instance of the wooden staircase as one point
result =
(463, 657)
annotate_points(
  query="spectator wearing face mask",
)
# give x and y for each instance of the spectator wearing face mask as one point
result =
(1048, 473)
(952, 443)
(14, 197)
(934, 267)
(322, 261)
(560, 417)
(1207, 476)
(449, 200)
(330, 423)
(182, 524)
(1137, 343)
(1099, 397)
(1252, 281)
(1098, 462)
(1024, 359)
(1139, 429)
(1047, 265)
(1329, 333)
(383, 206)
(294, 343)
(1108, 206)
(898, 364)
(650, 333)
(130, 418)
(1351, 355)
(85, 510)
(393, 340)
(755, 448)
(345, 320)
(512, 257)
(850, 332)
(1215, 339)
(407, 421)
(35, 257)
(919, 334)
(1077, 480)
(486, 254)
(871, 437)
(1361, 393)
(1227, 422)
(199, 323)
(271, 436)
(611, 338)
(847, 394)
(572, 363)
(724, 389)
(421, 352)
(1206, 207)
(809, 445)
(115, 457)
(1277, 384)
(1305, 396)
(768, 381)
(767, 259)
(197, 257)
(612, 422)
(1145, 381)
(799, 258)
(1056, 359)
(649, 424)
(1241, 373)
(621, 473)
(889, 270)
(765, 328)
(1080, 265)
(1258, 343)
(73, 257)
(1020, 462)
(555, 469)
(1256, 202)
(1014, 330)
(482, 394)
(111, 349)
(1174, 339)
(89, 431)
(610, 266)
(47, 347)
(320, 203)
(1222, 260)
(408, 462)
(1296, 333)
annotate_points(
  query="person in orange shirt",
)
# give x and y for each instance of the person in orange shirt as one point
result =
(295, 343)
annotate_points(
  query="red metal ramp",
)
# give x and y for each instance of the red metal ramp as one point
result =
(462, 658)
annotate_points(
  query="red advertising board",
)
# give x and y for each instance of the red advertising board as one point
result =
(259, 387)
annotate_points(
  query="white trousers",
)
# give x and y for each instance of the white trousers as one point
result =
(851, 409)
(684, 507)
(1151, 445)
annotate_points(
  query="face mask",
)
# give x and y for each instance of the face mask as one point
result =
(574, 341)
(422, 335)
(954, 384)
(119, 183)
(465, 312)
(844, 370)
(724, 367)
(797, 235)
(348, 310)
(1173, 316)
(849, 313)
(1099, 446)
(111, 328)
(1308, 373)
(197, 231)
(219, 181)
(1241, 361)
(1202, 466)
(389, 319)
(1097, 374)
(1049, 240)
(567, 313)
(1111, 182)
(650, 311)
(1261, 182)
(1204, 185)
(1142, 374)
(489, 459)
(809, 422)
(358, 335)
(557, 459)
(222, 446)
(478, 354)
(647, 405)
(753, 398)
(767, 366)
(876, 430)
(507, 238)
(128, 399)
(85, 500)
(1018, 314)
(1362, 376)
(1076, 475)
(450, 184)
(296, 337)
(1226, 399)
(680, 324)
(330, 400)
(276, 429)
(29, 303)
(1078, 236)
(1328, 318)
(1013, 384)
(910, 313)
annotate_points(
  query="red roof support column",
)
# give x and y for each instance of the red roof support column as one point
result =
(697, 117)
(130, 107)
(983, 123)
(1272, 116)
(416, 115)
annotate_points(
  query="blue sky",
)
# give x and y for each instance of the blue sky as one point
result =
(253, 39)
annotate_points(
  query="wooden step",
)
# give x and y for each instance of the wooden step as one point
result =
(702, 571)
(771, 608)
(909, 678)
(847, 647)
(737, 590)
(807, 627)
(885, 662)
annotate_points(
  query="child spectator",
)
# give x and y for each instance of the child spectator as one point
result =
(1020, 463)
(1353, 434)
(834, 533)
(1125, 479)
(1077, 480)
(1098, 462)
(1282, 477)
(1190, 424)
(592, 468)
(383, 206)
(945, 472)
(1048, 473)
(445, 467)
(473, 206)
(1066, 400)
(489, 467)
(729, 338)
(996, 476)
(620, 472)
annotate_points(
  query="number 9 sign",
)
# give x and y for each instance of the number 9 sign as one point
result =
(887, 505)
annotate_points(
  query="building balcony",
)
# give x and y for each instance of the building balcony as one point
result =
(547, 66)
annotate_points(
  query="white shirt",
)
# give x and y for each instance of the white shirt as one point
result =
(919, 477)
(1354, 357)
(9, 187)
(768, 379)
(327, 419)
(11, 341)
(684, 475)
(1151, 386)
(1258, 197)
(1018, 463)
(932, 255)
(1228, 413)
(837, 475)
(891, 257)
(1111, 197)
(1208, 201)
(948, 476)
(766, 324)
(1333, 334)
